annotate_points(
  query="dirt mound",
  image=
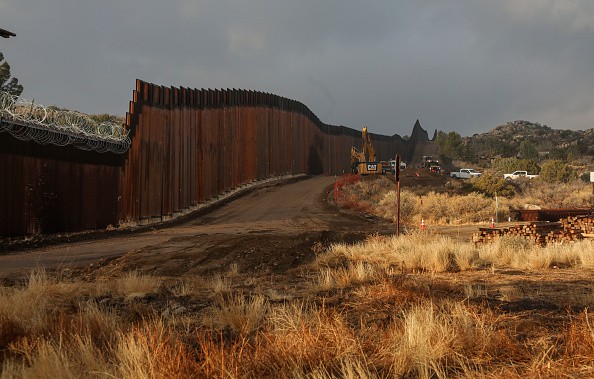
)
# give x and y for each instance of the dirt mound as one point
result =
(421, 177)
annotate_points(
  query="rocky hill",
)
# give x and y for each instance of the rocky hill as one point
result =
(533, 140)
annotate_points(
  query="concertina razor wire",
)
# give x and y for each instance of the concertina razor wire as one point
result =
(27, 120)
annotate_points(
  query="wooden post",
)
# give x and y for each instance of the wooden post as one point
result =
(397, 173)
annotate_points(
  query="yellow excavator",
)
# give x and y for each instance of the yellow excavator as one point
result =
(363, 161)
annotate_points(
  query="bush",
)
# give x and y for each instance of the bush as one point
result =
(491, 186)
(556, 171)
(409, 206)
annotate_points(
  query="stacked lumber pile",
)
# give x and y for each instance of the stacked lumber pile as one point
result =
(567, 230)
(578, 223)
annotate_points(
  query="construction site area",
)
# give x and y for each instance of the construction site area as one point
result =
(222, 227)
(150, 230)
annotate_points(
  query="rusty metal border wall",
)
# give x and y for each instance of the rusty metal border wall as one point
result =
(51, 189)
(188, 146)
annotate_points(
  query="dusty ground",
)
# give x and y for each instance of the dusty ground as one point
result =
(272, 229)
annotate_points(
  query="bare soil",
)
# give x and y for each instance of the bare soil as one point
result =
(270, 230)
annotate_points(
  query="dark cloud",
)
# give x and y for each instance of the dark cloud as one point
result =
(466, 65)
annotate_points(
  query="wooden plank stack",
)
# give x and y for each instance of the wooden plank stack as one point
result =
(567, 230)
(580, 223)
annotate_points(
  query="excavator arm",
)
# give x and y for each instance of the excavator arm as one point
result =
(363, 162)
(368, 149)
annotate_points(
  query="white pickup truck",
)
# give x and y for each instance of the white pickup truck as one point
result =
(518, 174)
(465, 173)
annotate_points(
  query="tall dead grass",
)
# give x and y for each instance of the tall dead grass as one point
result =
(369, 310)
(378, 197)
(517, 252)
(135, 284)
(575, 194)
(437, 208)
(424, 252)
(237, 314)
(416, 252)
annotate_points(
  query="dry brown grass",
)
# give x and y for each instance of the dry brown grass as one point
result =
(378, 309)
(576, 194)
(237, 314)
(416, 252)
(135, 284)
(378, 197)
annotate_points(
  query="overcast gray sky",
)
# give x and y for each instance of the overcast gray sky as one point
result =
(459, 65)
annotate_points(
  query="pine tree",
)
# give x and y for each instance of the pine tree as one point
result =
(8, 84)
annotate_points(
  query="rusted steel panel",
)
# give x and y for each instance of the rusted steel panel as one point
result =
(211, 168)
(252, 158)
(307, 144)
(219, 141)
(275, 131)
(240, 143)
(261, 140)
(152, 166)
(41, 188)
(144, 167)
(287, 145)
(15, 219)
(180, 149)
(204, 174)
(223, 147)
(200, 149)
(214, 149)
(230, 144)
(271, 130)
(88, 196)
(183, 179)
(205, 152)
(234, 141)
(163, 179)
(192, 146)
(176, 154)
(187, 188)
(106, 204)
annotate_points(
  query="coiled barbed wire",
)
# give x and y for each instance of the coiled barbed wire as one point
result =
(27, 120)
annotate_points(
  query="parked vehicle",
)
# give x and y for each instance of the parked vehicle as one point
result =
(435, 169)
(427, 161)
(519, 174)
(393, 165)
(465, 173)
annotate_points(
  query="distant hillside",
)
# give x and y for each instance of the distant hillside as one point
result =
(532, 140)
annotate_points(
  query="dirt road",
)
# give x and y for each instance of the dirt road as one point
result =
(273, 228)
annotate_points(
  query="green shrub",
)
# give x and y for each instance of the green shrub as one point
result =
(556, 171)
(491, 186)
